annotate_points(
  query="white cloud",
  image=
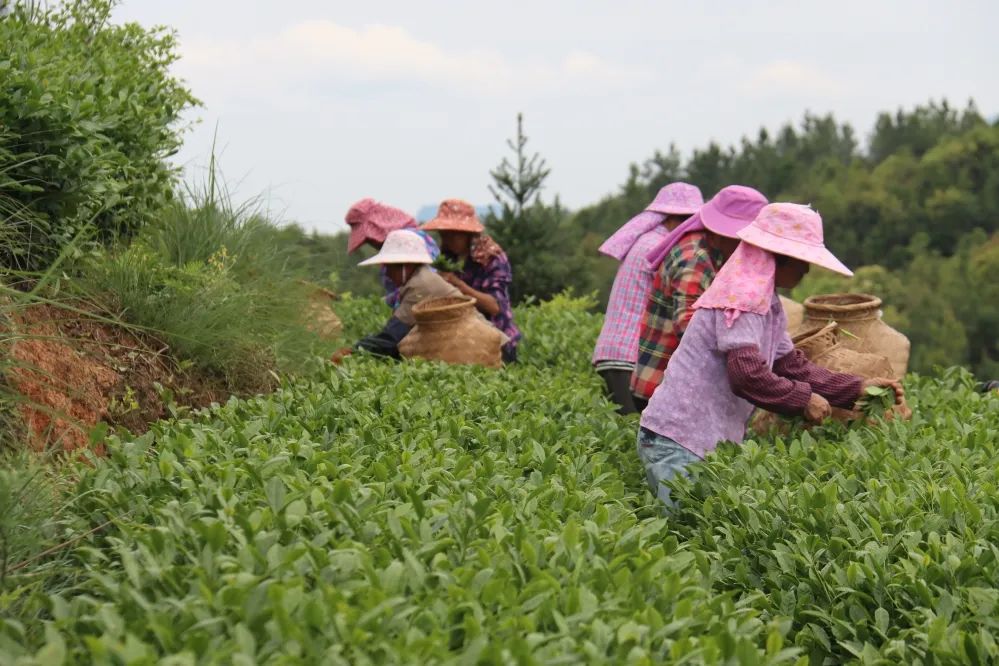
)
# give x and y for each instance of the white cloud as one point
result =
(390, 54)
(789, 76)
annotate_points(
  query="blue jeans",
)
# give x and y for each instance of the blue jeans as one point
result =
(663, 459)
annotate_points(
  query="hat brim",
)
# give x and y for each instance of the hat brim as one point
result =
(379, 259)
(469, 226)
(356, 239)
(671, 209)
(813, 254)
(719, 223)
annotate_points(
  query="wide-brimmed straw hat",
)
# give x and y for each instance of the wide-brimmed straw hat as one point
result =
(371, 220)
(794, 231)
(455, 215)
(402, 246)
(733, 208)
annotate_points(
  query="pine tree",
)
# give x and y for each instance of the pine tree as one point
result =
(529, 230)
(518, 187)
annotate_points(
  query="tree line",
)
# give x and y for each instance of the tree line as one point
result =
(914, 208)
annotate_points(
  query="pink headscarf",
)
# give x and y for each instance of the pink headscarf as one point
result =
(620, 243)
(744, 284)
(372, 220)
(659, 252)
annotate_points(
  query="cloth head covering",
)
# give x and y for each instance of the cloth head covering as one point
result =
(795, 231)
(746, 282)
(484, 249)
(725, 214)
(402, 246)
(371, 220)
(673, 199)
(455, 215)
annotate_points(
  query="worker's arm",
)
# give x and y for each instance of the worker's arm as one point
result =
(386, 341)
(486, 303)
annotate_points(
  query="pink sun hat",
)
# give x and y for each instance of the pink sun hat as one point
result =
(673, 199)
(371, 220)
(731, 209)
(677, 198)
(402, 246)
(795, 231)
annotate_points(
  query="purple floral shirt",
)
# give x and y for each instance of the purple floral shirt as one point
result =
(695, 405)
(494, 279)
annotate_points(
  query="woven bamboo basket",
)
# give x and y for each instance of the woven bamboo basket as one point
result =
(450, 329)
(822, 345)
(319, 315)
(860, 325)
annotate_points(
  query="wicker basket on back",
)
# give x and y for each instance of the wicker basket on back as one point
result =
(450, 329)
(861, 328)
(822, 345)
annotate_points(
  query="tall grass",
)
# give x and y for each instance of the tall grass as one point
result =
(212, 280)
(34, 495)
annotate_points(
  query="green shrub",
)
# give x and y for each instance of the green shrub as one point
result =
(559, 333)
(90, 115)
(361, 316)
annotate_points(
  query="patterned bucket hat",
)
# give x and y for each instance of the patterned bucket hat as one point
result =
(677, 199)
(455, 215)
(795, 231)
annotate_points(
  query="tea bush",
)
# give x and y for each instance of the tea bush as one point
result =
(412, 512)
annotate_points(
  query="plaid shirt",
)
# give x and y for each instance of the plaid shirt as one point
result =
(494, 279)
(391, 291)
(683, 276)
(618, 339)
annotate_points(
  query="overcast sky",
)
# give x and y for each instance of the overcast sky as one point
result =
(321, 103)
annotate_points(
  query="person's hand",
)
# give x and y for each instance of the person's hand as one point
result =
(885, 382)
(817, 409)
(340, 354)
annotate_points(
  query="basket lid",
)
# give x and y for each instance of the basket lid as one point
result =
(816, 340)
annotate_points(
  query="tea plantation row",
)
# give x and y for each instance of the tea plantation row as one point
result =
(413, 513)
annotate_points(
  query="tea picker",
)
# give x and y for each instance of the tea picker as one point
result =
(483, 270)
(370, 224)
(737, 354)
(406, 263)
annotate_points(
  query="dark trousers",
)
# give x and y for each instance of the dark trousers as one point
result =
(619, 389)
(509, 354)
